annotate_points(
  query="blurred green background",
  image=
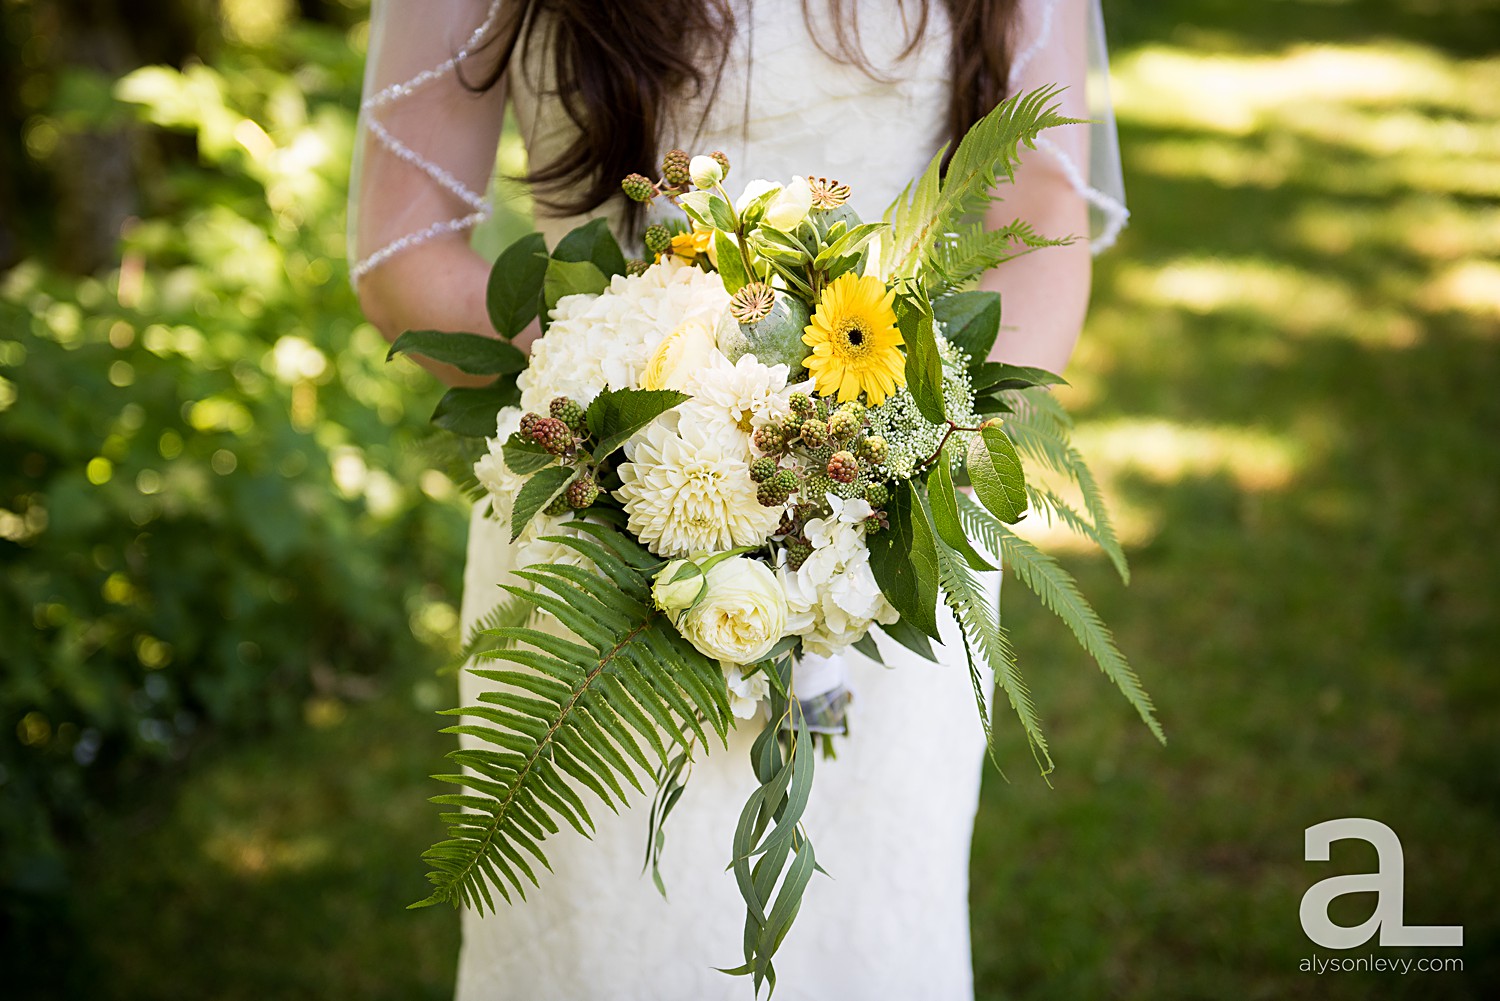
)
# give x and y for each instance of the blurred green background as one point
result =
(228, 574)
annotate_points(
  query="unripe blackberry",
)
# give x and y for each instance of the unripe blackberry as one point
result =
(553, 435)
(854, 408)
(762, 469)
(814, 487)
(770, 439)
(786, 480)
(814, 433)
(558, 507)
(871, 450)
(638, 188)
(843, 467)
(674, 167)
(582, 492)
(771, 493)
(801, 404)
(528, 424)
(877, 494)
(658, 239)
(635, 267)
(568, 412)
(723, 161)
(844, 424)
(797, 552)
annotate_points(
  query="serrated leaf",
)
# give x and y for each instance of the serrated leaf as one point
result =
(469, 353)
(924, 366)
(525, 457)
(904, 561)
(944, 502)
(617, 414)
(535, 494)
(472, 411)
(595, 244)
(515, 285)
(971, 321)
(995, 471)
(565, 278)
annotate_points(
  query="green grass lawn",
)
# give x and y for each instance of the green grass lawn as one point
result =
(1289, 383)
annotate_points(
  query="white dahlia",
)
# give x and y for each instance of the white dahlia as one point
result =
(833, 599)
(607, 339)
(688, 492)
(732, 399)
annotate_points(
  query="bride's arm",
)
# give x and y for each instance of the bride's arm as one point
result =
(437, 281)
(1045, 295)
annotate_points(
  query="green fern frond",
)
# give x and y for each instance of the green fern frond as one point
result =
(1059, 592)
(1054, 507)
(982, 633)
(511, 611)
(962, 256)
(938, 201)
(591, 710)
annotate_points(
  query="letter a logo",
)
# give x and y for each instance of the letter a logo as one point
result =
(1388, 884)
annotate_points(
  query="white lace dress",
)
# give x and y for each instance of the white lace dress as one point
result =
(892, 817)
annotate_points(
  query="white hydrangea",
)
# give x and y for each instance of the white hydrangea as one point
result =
(745, 691)
(491, 471)
(607, 339)
(688, 492)
(833, 599)
(732, 399)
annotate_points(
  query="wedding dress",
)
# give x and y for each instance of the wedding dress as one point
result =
(892, 817)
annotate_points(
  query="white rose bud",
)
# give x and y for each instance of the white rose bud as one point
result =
(791, 206)
(672, 594)
(705, 171)
(742, 615)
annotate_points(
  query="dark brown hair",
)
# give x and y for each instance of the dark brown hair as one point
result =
(616, 64)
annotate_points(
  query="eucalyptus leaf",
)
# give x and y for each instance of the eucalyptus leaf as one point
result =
(515, 285)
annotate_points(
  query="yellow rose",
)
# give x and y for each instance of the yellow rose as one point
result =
(681, 353)
(742, 615)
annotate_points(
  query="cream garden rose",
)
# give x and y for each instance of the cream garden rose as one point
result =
(684, 351)
(742, 615)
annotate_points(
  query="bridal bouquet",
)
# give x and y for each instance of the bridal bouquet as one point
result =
(740, 452)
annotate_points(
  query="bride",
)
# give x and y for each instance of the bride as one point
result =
(865, 91)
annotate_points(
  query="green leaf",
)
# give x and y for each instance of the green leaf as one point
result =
(525, 457)
(469, 353)
(995, 471)
(971, 321)
(566, 278)
(924, 367)
(944, 502)
(535, 494)
(721, 213)
(595, 244)
(617, 414)
(866, 645)
(912, 638)
(998, 377)
(471, 411)
(904, 561)
(850, 241)
(731, 264)
(515, 284)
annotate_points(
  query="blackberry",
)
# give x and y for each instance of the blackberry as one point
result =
(771, 439)
(814, 433)
(723, 161)
(771, 493)
(638, 188)
(871, 450)
(762, 469)
(797, 552)
(658, 239)
(674, 168)
(843, 467)
(582, 492)
(844, 423)
(568, 412)
(553, 435)
(801, 404)
(877, 494)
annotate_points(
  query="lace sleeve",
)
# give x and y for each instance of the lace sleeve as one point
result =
(1053, 44)
(426, 144)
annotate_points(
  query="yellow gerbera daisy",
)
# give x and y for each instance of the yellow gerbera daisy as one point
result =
(690, 246)
(856, 347)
